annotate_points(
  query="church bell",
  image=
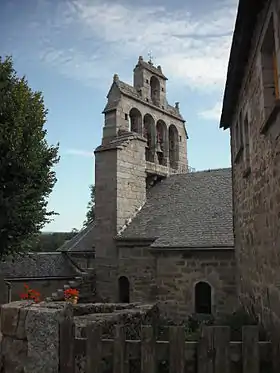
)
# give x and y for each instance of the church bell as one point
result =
(158, 148)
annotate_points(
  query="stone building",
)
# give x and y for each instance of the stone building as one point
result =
(161, 233)
(251, 111)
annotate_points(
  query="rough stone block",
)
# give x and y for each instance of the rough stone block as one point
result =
(42, 330)
(14, 352)
(13, 318)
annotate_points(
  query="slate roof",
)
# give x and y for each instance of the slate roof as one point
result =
(37, 265)
(246, 21)
(82, 241)
(191, 210)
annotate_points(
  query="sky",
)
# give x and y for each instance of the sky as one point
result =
(70, 50)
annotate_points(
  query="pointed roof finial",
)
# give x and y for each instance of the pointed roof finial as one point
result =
(116, 78)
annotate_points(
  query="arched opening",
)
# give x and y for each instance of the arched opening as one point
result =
(173, 146)
(123, 289)
(135, 121)
(203, 298)
(162, 144)
(149, 134)
(155, 90)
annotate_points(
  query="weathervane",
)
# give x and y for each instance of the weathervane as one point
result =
(150, 57)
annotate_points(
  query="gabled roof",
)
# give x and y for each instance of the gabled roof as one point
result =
(83, 241)
(191, 210)
(130, 91)
(37, 265)
(150, 67)
(246, 21)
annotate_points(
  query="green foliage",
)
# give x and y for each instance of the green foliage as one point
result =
(90, 215)
(52, 241)
(26, 163)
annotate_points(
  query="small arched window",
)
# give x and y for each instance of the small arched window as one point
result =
(123, 289)
(203, 298)
(155, 90)
(135, 121)
(173, 146)
(149, 134)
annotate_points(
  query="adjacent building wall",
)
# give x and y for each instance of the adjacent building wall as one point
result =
(170, 277)
(256, 176)
(45, 286)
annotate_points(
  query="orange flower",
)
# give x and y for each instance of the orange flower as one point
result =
(70, 293)
(30, 294)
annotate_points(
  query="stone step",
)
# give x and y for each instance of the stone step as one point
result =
(65, 287)
(78, 278)
(73, 284)
(60, 292)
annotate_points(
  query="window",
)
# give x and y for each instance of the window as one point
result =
(203, 298)
(162, 89)
(123, 289)
(269, 66)
(126, 116)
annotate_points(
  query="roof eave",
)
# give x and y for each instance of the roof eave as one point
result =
(246, 20)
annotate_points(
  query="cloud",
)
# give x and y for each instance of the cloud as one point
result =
(82, 153)
(105, 37)
(213, 113)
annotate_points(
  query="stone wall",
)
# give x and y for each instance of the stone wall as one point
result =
(256, 193)
(169, 278)
(30, 337)
(30, 332)
(127, 104)
(120, 183)
(45, 286)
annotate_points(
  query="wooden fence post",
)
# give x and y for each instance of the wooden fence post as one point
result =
(119, 350)
(250, 349)
(93, 348)
(66, 344)
(176, 349)
(221, 347)
(275, 355)
(205, 351)
(148, 350)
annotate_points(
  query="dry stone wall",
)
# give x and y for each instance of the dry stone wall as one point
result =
(256, 193)
(30, 332)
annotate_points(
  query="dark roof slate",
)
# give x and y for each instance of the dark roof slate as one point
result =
(189, 210)
(83, 241)
(37, 265)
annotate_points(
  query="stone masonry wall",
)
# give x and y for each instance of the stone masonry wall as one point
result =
(30, 337)
(46, 287)
(30, 332)
(131, 180)
(169, 278)
(127, 104)
(256, 194)
(178, 273)
(120, 183)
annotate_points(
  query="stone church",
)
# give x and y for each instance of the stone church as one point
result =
(162, 233)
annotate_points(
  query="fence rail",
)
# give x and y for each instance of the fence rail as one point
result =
(214, 353)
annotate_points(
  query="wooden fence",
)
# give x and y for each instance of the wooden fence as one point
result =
(214, 353)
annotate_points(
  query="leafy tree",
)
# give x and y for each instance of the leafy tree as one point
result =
(52, 241)
(26, 162)
(90, 215)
